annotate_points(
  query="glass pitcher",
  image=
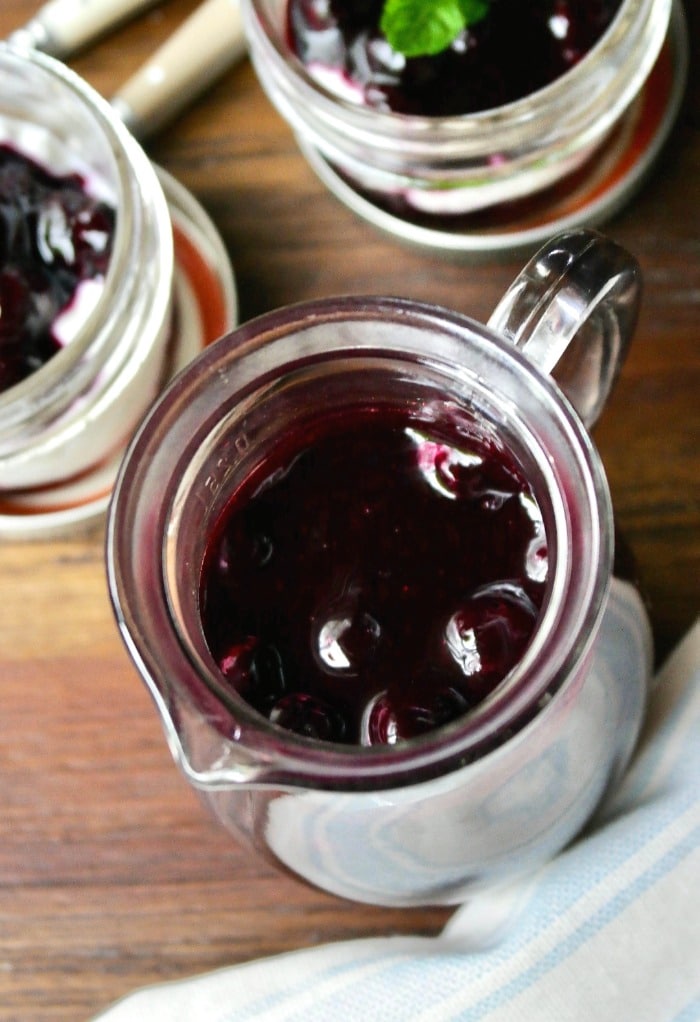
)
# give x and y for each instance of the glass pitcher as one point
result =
(494, 794)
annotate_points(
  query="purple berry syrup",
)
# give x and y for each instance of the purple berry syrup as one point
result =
(518, 48)
(375, 577)
(53, 236)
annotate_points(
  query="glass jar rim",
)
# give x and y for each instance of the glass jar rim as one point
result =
(143, 598)
(629, 46)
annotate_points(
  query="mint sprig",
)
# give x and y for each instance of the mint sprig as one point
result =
(422, 28)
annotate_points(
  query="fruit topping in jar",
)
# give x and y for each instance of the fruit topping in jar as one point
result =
(440, 58)
(375, 577)
(55, 246)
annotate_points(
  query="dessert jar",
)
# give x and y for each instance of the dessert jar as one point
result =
(455, 165)
(76, 409)
(495, 793)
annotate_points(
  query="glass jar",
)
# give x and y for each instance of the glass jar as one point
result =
(447, 167)
(498, 791)
(81, 405)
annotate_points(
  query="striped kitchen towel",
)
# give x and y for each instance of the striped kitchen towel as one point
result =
(607, 932)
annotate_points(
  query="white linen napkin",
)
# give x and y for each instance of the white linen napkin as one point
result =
(607, 932)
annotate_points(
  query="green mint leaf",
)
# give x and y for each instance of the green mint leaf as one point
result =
(422, 28)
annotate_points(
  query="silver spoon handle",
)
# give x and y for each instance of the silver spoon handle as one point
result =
(207, 43)
(61, 27)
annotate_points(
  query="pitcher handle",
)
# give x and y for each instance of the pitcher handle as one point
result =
(572, 310)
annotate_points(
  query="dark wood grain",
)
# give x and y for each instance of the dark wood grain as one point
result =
(111, 873)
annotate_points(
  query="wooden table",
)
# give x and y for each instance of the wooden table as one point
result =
(111, 873)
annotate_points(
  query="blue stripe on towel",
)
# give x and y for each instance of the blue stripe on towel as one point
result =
(691, 1012)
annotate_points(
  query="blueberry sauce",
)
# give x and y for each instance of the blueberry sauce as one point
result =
(518, 48)
(375, 577)
(53, 237)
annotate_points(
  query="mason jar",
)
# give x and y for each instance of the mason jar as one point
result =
(79, 407)
(418, 176)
